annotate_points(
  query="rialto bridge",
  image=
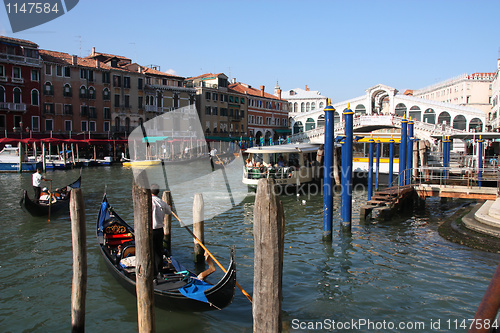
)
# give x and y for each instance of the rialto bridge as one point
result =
(382, 107)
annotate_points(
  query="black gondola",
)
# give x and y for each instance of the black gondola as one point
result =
(59, 201)
(178, 289)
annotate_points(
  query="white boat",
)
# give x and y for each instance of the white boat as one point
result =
(9, 160)
(290, 164)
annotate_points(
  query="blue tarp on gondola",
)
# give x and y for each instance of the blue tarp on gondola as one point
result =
(195, 289)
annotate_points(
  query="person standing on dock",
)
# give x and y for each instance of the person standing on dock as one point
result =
(160, 209)
(37, 181)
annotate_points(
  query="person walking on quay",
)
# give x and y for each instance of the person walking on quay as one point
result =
(160, 209)
(37, 181)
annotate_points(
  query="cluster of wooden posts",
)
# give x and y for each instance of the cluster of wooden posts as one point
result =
(269, 226)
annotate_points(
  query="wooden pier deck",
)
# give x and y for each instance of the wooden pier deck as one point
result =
(456, 191)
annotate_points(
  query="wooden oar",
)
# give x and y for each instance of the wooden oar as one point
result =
(50, 197)
(211, 255)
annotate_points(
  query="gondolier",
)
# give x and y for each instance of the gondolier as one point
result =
(37, 181)
(160, 209)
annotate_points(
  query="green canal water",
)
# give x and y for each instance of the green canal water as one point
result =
(397, 273)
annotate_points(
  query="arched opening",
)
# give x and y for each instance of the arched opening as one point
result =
(415, 113)
(360, 110)
(400, 110)
(298, 127)
(267, 137)
(459, 122)
(336, 117)
(117, 124)
(17, 95)
(429, 116)
(310, 124)
(302, 107)
(476, 124)
(308, 107)
(444, 118)
(127, 124)
(321, 121)
(35, 97)
(295, 107)
(258, 135)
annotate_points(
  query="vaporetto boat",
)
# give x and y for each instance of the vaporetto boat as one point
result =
(290, 164)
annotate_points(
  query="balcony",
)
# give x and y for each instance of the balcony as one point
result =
(151, 108)
(13, 106)
(18, 80)
(20, 59)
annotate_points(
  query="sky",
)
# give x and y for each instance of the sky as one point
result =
(340, 48)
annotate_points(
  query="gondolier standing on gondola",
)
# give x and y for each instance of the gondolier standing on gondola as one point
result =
(160, 209)
(37, 181)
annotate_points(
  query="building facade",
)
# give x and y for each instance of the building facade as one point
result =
(494, 116)
(20, 86)
(222, 110)
(267, 114)
(303, 100)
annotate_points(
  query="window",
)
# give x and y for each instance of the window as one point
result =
(107, 113)
(84, 111)
(208, 110)
(48, 108)
(215, 96)
(48, 69)
(17, 95)
(83, 92)
(126, 82)
(127, 101)
(67, 91)
(2, 70)
(49, 125)
(91, 75)
(236, 99)
(83, 73)
(59, 70)
(140, 83)
(67, 71)
(2, 96)
(107, 126)
(92, 126)
(117, 81)
(83, 126)
(140, 102)
(35, 124)
(68, 125)
(68, 109)
(91, 93)
(117, 100)
(242, 100)
(35, 97)
(92, 112)
(215, 111)
(16, 72)
(106, 95)
(48, 89)
(207, 96)
(105, 77)
(34, 75)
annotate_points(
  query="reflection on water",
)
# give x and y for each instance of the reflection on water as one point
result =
(400, 270)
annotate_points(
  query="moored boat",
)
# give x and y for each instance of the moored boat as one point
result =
(290, 164)
(50, 203)
(11, 162)
(178, 289)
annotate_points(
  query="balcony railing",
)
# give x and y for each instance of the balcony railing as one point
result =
(13, 106)
(19, 59)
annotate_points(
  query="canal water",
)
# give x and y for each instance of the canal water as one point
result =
(397, 273)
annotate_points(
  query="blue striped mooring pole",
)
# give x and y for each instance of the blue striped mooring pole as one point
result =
(480, 161)
(402, 151)
(370, 168)
(446, 156)
(346, 182)
(377, 163)
(329, 146)
(409, 153)
(391, 161)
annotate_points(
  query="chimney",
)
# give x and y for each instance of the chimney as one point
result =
(262, 91)
(93, 50)
(279, 93)
(307, 88)
(97, 64)
(234, 80)
(74, 59)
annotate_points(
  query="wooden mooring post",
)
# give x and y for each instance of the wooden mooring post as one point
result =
(78, 237)
(489, 306)
(167, 227)
(199, 227)
(269, 235)
(144, 255)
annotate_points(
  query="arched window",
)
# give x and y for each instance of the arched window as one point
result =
(336, 117)
(117, 124)
(321, 121)
(35, 97)
(2, 94)
(429, 116)
(321, 105)
(48, 89)
(444, 117)
(415, 113)
(67, 91)
(360, 110)
(313, 106)
(105, 94)
(298, 127)
(476, 124)
(459, 122)
(91, 93)
(302, 107)
(308, 107)
(83, 92)
(17, 95)
(310, 124)
(400, 110)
